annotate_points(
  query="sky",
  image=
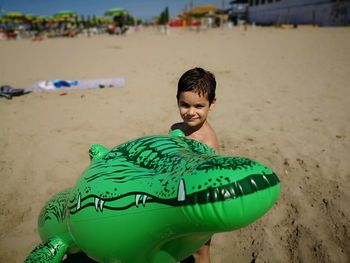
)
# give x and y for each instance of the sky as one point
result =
(142, 9)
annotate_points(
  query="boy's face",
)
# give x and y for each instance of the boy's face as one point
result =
(194, 108)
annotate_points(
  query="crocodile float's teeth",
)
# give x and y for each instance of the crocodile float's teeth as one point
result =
(79, 202)
(137, 199)
(96, 203)
(99, 204)
(144, 200)
(181, 194)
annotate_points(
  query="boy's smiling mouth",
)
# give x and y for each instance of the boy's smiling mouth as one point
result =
(191, 118)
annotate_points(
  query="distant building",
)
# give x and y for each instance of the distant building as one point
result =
(317, 12)
(238, 11)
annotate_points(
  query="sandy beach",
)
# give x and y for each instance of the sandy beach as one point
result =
(283, 99)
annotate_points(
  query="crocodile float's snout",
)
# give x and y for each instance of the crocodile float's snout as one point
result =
(225, 197)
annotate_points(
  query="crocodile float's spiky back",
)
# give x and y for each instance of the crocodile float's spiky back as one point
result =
(151, 163)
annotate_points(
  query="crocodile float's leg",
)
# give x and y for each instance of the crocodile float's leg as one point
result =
(50, 252)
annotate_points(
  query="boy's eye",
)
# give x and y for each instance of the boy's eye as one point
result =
(185, 105)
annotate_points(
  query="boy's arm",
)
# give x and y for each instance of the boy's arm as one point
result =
(212, 141)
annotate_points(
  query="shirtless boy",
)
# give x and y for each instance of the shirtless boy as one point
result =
(195, 98)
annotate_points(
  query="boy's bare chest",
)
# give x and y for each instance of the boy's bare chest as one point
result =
(206, 136)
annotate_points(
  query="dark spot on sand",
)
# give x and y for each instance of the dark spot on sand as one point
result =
(286, 163)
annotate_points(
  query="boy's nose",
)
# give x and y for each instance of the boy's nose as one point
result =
(191, 111)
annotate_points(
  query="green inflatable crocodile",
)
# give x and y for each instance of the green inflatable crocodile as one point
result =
(154, 199)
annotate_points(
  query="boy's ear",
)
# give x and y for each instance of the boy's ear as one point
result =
(212, 105)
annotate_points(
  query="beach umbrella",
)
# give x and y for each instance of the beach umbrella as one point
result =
(14, 15)
(202, 10)
(29, 16)
(33, 18)
(66, 14)
(3, 19)
(116, 12)
(41, 18)
(103, 19)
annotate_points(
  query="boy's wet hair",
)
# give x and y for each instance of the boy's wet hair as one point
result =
(199, 81)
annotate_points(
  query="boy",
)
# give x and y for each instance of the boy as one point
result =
(195, 98)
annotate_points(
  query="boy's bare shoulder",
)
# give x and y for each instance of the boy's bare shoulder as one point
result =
(214, 143)
(206, 135)
(211, 139)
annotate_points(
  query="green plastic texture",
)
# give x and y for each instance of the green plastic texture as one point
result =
(155, 199)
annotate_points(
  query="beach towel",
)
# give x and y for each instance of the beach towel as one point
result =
(48, 85)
